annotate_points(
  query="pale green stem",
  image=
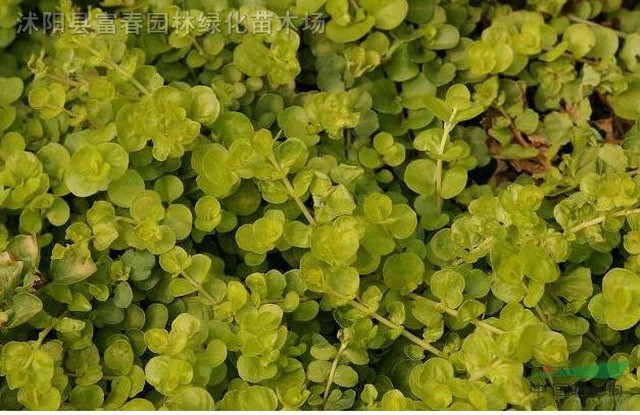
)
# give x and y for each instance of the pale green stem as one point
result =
(395, 45)
(590, 335)
(332, 373)
(541, 315)
(45, 332)
(577, 19)
(476, 322)
(200, 289)
(302, 299)
(446, 132)
(490, 240)
(114, 66)
(104, 377)
(406, 333)
(198, 47)
(601, 219)
(127, 220)
(494, 365)
(69, 113)
(292, 193)
(66, 80)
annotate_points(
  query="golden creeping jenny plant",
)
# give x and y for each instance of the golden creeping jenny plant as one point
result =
(405, 204)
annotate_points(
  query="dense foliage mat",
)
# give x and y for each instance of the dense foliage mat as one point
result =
(381, 204)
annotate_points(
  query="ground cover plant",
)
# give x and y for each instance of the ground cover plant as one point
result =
(319, 204)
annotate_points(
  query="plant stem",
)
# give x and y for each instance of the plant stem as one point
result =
(104, 377)
(201, 291)
(577, 19)
(447, 128)
(292, 193)
(114, 66)
(301, 299)
(479, 375)
(332, 373)
(541, 315)
(69, 113)
(127, 220)
(45, 332)
(199, 48)
(590, 335)
(512, 125)
(601, 219)
(66, 80)
(476, 322)
(490, 240)
(389, 53)
(406, 333)
(581, 60)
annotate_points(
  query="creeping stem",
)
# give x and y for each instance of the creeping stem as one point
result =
(332, 373)
(446, 132)
(512, 125)
(406, 333)
(200, 288)
(601, 219)
(307, 214)
(577, 19)
(45, 332)
(476, 322)
(114, 66)
(292, 193)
